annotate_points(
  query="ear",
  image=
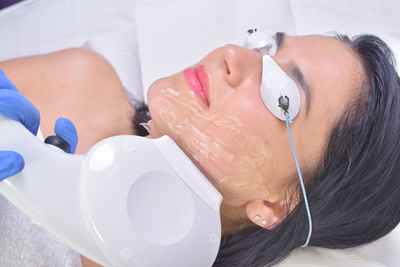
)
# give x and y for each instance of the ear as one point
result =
(266, 214)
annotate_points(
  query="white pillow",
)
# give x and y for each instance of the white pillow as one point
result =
(314, 256)
(350, 17)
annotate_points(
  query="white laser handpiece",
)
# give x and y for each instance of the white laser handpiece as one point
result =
(129, 201)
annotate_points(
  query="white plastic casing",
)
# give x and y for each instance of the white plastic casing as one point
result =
(130, 201)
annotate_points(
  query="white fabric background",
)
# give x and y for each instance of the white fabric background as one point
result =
(380, 17)
(108, 27)
(174, 34)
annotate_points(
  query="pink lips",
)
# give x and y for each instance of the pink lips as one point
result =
(198, 81)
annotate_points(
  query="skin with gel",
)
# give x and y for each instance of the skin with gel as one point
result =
(206, 148)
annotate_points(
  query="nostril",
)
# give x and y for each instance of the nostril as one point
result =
(227, 70)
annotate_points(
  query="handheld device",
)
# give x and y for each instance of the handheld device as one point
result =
(129, 201)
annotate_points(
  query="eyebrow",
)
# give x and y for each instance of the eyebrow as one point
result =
(295, 72)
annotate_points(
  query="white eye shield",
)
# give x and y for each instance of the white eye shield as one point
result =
(275, 82)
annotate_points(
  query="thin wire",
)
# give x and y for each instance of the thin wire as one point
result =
(289, 121)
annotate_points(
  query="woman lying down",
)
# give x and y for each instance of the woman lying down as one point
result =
(345, 135)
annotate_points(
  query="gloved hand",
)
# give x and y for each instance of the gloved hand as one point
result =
(15, 106)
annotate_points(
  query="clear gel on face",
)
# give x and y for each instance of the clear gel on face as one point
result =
(227, 152)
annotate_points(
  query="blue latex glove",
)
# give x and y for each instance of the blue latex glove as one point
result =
(15, 106)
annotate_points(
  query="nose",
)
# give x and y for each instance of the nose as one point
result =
(239, 63)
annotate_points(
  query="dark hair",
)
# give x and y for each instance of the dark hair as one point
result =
(142, 115)
(354, 192)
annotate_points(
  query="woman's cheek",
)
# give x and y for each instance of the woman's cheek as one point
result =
(248, 171)
(222, 145)
(233, 159)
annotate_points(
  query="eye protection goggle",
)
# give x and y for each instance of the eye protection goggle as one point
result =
(278, 91)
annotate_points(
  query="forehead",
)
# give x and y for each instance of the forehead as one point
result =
(332, 69)
(334, 74)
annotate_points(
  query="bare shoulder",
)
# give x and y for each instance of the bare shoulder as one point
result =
(76, 83)
(69, 65)
(85, 66)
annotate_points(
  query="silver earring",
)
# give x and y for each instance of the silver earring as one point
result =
(257, 218)
(264, 221)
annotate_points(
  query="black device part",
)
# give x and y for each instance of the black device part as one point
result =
(284, 103)
(250, 31)
(57, 141)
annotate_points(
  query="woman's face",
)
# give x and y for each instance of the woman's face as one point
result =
(235, 141)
